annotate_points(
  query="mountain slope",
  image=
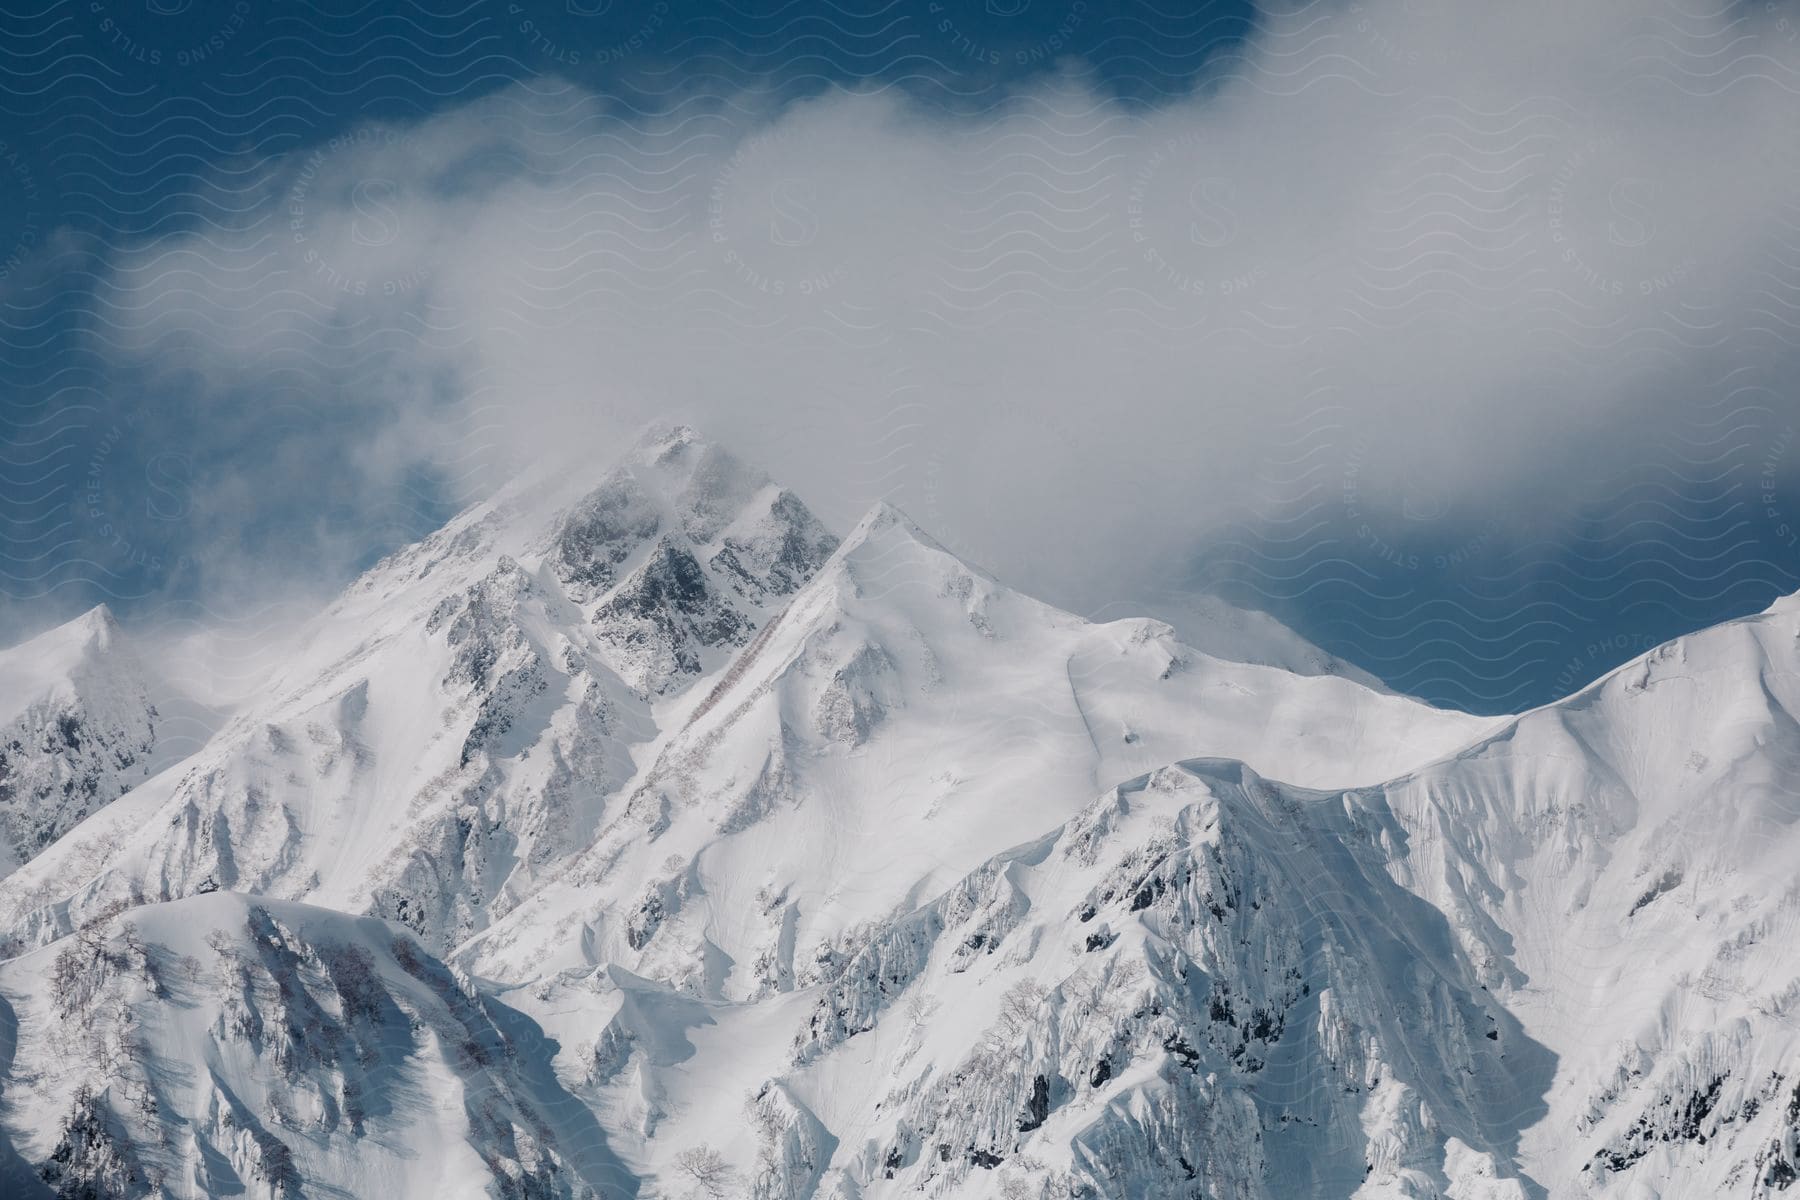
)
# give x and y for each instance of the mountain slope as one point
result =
(1561, 960)
(222, 1045)
(1192, 988)
(456, 722)
(1623, 864)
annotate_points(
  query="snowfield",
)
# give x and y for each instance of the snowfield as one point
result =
(635, 836)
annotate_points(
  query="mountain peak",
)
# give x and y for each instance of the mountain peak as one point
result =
(101, 613)
(883, 524)
(881, 514)
(660, 439)
(60, 649)
(98, 622)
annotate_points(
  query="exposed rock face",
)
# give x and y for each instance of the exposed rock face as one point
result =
(660, 622)
(679, 556)
(601, 533)
(495, 661)
(773, 553)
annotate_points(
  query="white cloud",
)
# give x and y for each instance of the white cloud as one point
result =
(1070, 334)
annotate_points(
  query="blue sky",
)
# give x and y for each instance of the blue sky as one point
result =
(1486, 446)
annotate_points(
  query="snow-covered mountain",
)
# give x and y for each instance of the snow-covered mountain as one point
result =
(223, 1046)
(905, 718)
(1624, 866)
(557, 671)
(81, 722)
(457, 721)
(634, 834)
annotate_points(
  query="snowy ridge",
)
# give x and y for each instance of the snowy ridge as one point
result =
(455, 723)
(1623, 862)
(903, 719)
(1171, 980)
(696, 853)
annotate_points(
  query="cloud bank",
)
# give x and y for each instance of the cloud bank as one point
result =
(1487, 249)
